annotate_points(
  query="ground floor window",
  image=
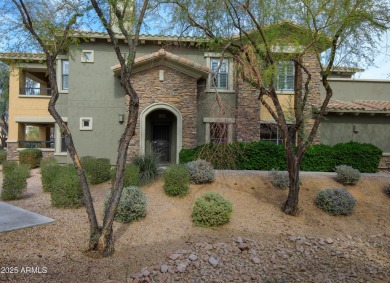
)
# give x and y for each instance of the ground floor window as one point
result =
(271, 132)
(60, 147)
(219, 130)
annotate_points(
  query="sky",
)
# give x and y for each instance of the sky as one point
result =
(381, 70)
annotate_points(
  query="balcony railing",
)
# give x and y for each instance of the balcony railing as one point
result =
(35, 91)
(36, 144)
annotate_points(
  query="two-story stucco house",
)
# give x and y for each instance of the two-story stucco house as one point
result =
(178, 110)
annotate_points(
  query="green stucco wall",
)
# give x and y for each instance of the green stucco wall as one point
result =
(363, 128)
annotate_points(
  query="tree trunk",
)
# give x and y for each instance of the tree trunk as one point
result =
(290, 207)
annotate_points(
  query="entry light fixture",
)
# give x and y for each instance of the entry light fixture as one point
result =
(121, 118)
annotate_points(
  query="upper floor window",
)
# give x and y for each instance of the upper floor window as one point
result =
(65, 74)
(219, 73)
(87, 56)
(285, 78)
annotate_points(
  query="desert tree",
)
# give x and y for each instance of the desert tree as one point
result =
(4, 95)
(259, 37)
(122, 19)
(53, 36)
(45, 26)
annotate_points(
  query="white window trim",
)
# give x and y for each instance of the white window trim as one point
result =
(59, 73)
(273, 122)
(84, 128)
(229, 121)
(285, 91)
(230, 88)
(84, 59)
(57, 139)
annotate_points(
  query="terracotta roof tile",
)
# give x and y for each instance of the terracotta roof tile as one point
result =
(170, 56)
(22, 56)
(359, 105)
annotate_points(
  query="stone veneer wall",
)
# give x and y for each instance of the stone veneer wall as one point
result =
(13, 154)
(178, 89)
(247, 125)
(314, 99)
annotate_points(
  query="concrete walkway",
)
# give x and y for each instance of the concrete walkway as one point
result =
(13, 218)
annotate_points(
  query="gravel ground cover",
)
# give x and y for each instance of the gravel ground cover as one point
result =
(260, 243)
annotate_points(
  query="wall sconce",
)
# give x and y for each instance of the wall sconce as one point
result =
(355, 129)
(121, 118)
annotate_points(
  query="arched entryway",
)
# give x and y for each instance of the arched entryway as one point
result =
(161, 131)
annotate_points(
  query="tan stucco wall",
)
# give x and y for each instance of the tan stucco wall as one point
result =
(287, 103)
(28, 106)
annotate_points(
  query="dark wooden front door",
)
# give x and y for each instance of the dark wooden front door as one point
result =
(161, 142)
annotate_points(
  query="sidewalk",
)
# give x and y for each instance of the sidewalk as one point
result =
(13, 218)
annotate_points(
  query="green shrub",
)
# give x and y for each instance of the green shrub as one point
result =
(336, 201)
(319, 158)
(267, 155)
(211, 210)
(279, 179)
(347, 175)
(387, 190)
(48, 161)
(3, 156)
(9, 166)
(131, 207)
(176, 180)
(99, 171)
(66, 190)
(30, 156)
(361, 156)
(131, 177)
(14, 183)
(148, 168)
(49, 172)
(201, 171)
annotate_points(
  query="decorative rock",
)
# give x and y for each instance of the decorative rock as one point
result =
(255, 260)
(239, 240)
(181, 267)
(145, 272)
(174, 256)
(213, 261)
(164, 268)
(243, 247)
(329, 241)
(193, 257)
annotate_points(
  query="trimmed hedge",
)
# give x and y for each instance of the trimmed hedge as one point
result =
(49, 172)
(66, 190)
(267, 156)
(15, 183)
(30, 156)
(97, 170)
(131, 177)
(3, 156)
(176, 180)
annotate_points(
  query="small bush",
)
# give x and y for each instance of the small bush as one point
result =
(49, 172)
(211, 210)
(48, 161)
(347, 175)
(66, 190)
(30, 156)
(279, 179)
(387, 190)
(3, 156)
(131, 177)
(176, 180)
(201, 171)
(14, 184)
(131, 207)
(99, 171)
(336, 201)
(148, 168)
(9, 166)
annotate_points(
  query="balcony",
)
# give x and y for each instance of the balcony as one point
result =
(36, 144)
(35, 91)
